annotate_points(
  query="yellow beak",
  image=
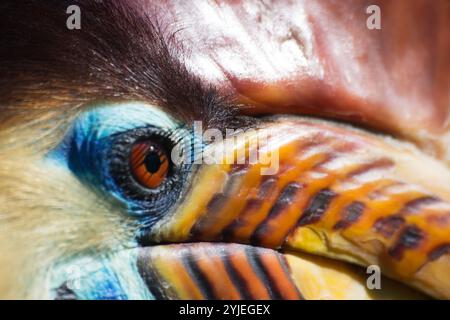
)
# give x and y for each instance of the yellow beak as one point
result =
(324, 189)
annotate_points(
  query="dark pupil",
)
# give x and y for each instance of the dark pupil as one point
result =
(152, 162)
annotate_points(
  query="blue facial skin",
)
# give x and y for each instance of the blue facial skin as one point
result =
(86, 147)
(112, 278)
(84, 151)
(101, 285)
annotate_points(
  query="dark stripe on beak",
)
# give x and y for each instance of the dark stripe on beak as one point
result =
(350, 215)
(199, 277)
(284, 201)
(317, 207)
(410, 238)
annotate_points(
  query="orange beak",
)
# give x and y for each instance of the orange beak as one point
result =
(320, 188)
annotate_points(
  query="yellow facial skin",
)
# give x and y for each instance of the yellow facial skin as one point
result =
(338, 193)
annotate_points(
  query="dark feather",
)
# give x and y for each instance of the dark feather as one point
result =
(121, 52)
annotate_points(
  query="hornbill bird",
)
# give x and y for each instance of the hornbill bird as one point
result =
(224, 150)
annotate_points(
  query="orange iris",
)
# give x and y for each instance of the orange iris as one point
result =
(149, 164)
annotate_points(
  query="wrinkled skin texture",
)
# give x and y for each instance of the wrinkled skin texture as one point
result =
(318, 58)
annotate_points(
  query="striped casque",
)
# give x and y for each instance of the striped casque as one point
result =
(341, 195)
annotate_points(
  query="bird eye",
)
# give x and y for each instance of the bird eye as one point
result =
(137, 169)
(123, 151)
(149, 164)
(138, 166)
